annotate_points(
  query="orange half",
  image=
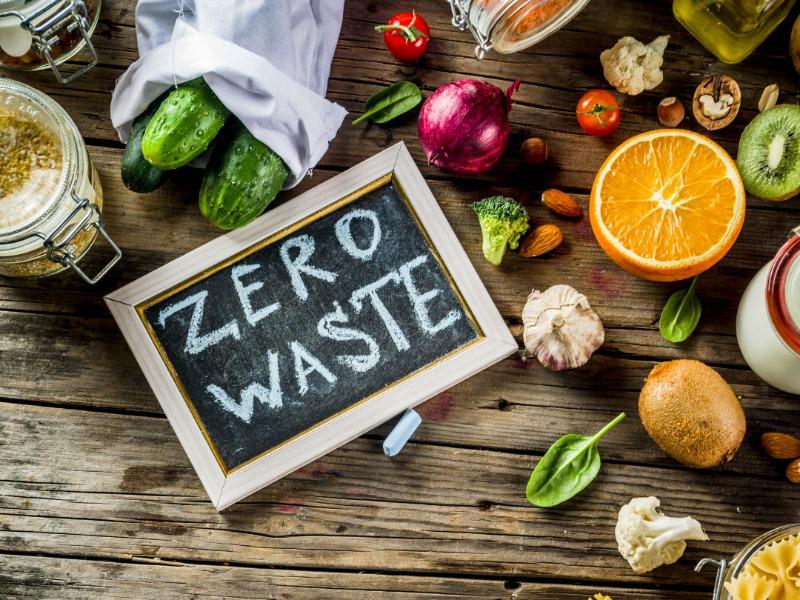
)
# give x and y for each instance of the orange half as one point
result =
(667, 204)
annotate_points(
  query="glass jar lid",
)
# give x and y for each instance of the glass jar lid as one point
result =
(38, 161)
(14, 12)
(14, 4)
(35, 34)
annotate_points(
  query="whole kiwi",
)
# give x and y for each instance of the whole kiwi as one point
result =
(692, 413)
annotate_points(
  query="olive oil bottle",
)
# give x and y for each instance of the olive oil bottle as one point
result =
(731, 29)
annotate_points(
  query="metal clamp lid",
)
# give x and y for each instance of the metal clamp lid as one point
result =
(44, 27)
(460, 11)
(722, 566)
(57, 242)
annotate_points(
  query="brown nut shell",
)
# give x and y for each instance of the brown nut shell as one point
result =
(670, 112)
(769, 97)
(561, 203)
(541, 240)
(780, 446)
(793, 471)
(716, 102)
(534, 151)
(692, 413)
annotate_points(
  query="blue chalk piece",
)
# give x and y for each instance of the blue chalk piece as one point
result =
(401, 433)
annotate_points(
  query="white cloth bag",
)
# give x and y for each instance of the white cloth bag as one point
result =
(268, 61)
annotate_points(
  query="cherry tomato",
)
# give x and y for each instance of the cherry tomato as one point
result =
(598, 113)
(406, 35)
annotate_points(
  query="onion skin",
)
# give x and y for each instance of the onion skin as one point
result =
(463, 126)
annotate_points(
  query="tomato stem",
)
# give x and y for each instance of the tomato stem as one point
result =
(597, 111)
(411, 33)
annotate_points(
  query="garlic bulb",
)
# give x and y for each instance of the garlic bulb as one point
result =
(560, 329)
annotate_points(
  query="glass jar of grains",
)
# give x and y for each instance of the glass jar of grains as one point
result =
(50, 194)
(43, 34)
(765, 568)
(511, 25)
(768, 320)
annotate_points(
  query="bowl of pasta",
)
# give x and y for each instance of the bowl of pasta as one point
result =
(768, 568)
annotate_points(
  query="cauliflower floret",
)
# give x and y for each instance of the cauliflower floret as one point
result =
(633, 67)
(648, 539)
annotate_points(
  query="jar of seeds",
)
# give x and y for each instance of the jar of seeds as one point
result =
(50, 195)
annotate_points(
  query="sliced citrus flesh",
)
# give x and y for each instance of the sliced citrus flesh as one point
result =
(667, 204)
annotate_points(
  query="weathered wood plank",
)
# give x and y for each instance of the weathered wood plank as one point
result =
(45, 578)
(515, 405)
(117, 487)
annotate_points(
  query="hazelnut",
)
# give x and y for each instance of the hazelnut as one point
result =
(670, 112)
(534, 151)
(716, 102)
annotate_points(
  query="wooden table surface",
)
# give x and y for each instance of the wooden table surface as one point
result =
(98, 500)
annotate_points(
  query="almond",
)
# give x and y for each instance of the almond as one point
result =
(793, 471)
(769, 97)
(561, 203)
(541, 240)
(780, 445)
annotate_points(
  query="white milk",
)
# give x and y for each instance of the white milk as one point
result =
(763, 349)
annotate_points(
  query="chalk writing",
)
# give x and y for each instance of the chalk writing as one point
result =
(297, 331)
(196, 343)
(303, 357)
(244, 291)
(243, 409)
(420, 300)
(299, 264)
(357, 362)
(371, 290)
(345, 235)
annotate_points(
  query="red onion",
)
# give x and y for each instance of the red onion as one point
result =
(463, 126)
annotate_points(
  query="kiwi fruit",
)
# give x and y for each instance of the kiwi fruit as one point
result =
(769, 153)
(692, 413)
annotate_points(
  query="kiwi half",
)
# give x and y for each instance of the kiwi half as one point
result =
(769, 153)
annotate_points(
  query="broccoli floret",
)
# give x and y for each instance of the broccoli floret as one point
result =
(503, 221)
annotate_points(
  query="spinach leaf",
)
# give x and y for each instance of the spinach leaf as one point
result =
(567, 468)
(391, 102)
(681, 314)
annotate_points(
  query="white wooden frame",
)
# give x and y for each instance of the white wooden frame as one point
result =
(226, 487)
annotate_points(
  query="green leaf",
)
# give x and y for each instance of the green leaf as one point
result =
(681, 314)
(567, 468)
(391, 102)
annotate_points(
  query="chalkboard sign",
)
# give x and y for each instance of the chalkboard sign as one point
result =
(309, 324)
(317, 322)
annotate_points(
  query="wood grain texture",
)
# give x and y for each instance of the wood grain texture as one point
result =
(45, 578)
(84, 484)
(93, 477)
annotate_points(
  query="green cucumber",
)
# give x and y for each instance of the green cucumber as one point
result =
(138, 175)
(241, 180)
(184, 125)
